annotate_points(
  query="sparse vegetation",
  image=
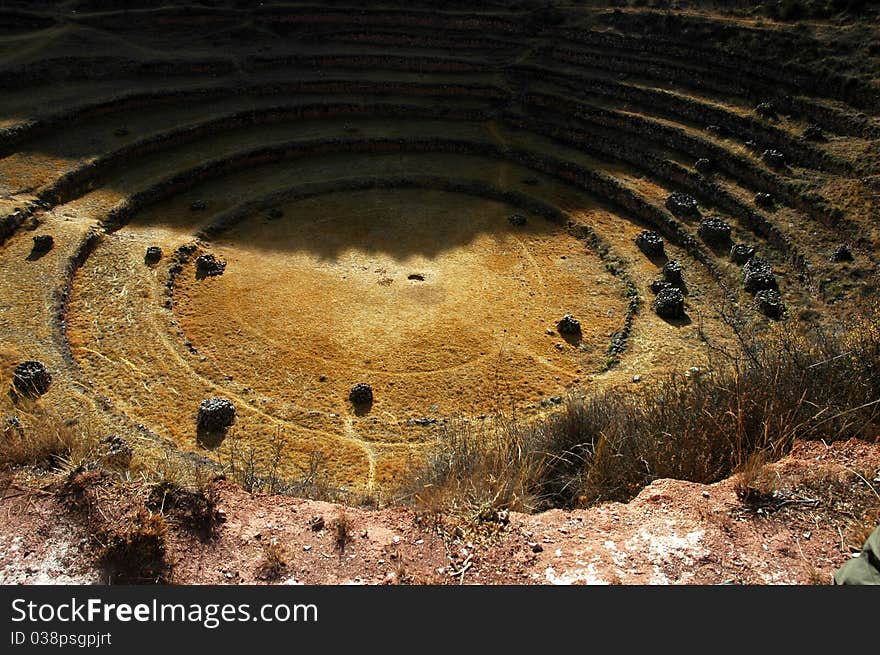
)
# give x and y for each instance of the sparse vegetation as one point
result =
(274, 561)
(45, 440)
(786, 385)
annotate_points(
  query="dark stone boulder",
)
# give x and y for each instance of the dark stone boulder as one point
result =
(703, 166)
(814, 133)
(153, 255)
(773, 158)
(209, 265)
(764, 200)
(568, 325)
(769, 303)
(758, 275)
(669, 303)
(714, 231)
(766, 110)
(31, 378)
(216, 415)
(672, 273)
(842, 253)
(361, 394)
(198, 205)
(517, 219)
(650, 243)
(43, 243)
(740, 253)
(682, 205)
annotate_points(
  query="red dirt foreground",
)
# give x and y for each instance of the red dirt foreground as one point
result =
(804, 516)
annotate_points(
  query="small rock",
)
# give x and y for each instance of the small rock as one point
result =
(316, 523)
(215, 414)
(43, 243)
(361, 394)
(773, 158)
(714, 231)
(658, 285)
(765, 200)
(275, 213)
(536, 547)
(517, 219)
(650, 243)
(198, 205)
(842, 253)
(152, 255)
(769, 303)
(813, 132)
(766, 110)
(703, 166)
(682, 205)
(758, 275)
(669, 303)
(636, 378)
(672, 273)
(569, 325)
(740, 253)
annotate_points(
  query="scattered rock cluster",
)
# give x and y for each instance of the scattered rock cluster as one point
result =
(209, 265)
(31, 378)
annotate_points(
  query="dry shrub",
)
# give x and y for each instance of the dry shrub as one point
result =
(341, 529)
(137, 553)
(274, 561)
(197, 510)
(785, 385)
